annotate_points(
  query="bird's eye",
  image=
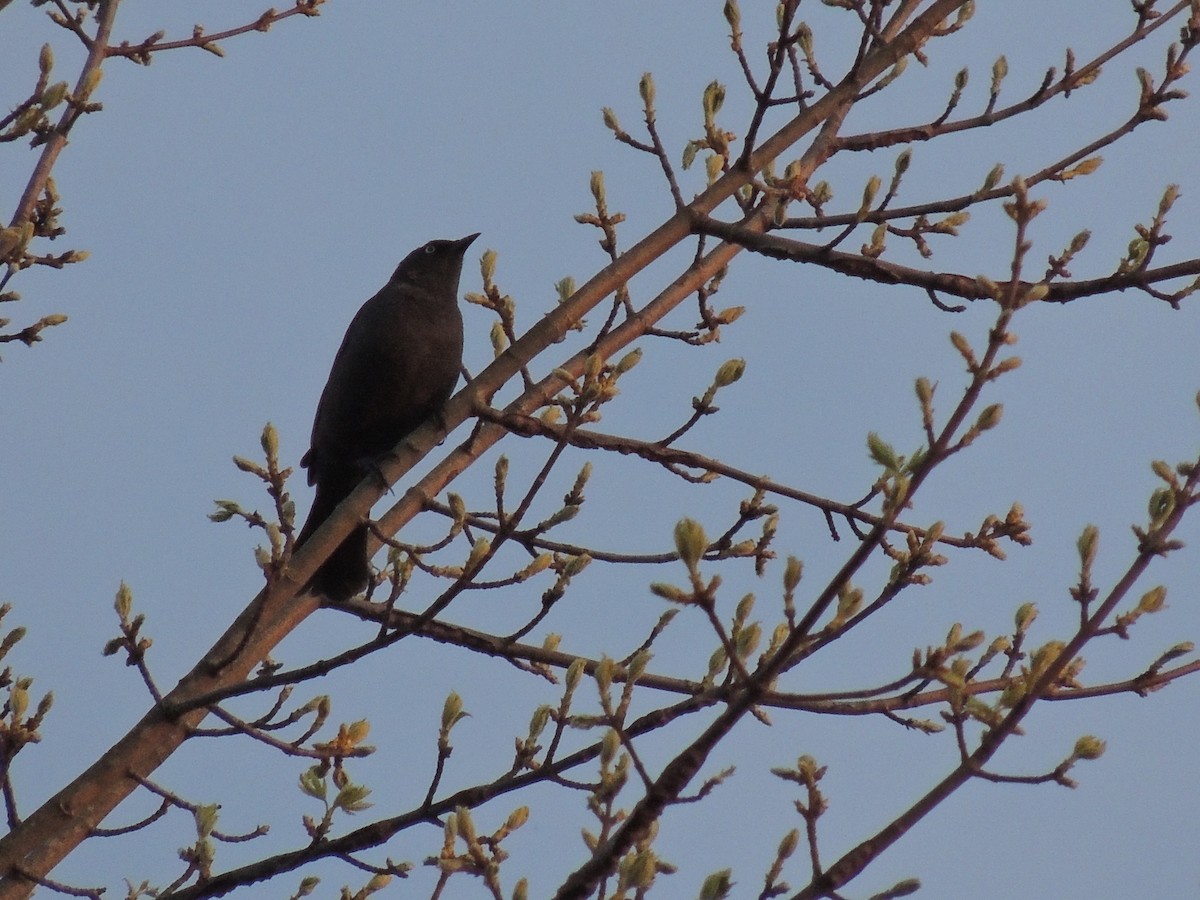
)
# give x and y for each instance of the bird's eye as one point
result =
(431, 248)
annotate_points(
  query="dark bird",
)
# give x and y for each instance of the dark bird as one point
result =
(397, 365)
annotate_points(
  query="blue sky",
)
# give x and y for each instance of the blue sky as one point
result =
(238, 211)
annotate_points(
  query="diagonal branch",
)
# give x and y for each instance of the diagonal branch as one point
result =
(58, 138)
(858, 857)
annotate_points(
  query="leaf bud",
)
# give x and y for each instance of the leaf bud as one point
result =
(646, 89)
(690, 542)
(1089, 747)
(729, 372)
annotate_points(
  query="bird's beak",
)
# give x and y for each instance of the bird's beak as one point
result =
(464, 243)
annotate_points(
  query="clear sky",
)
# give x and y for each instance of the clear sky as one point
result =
(238, 210)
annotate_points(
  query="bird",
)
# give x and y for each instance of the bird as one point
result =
(396, 366)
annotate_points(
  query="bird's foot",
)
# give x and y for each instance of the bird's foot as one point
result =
(374, 466)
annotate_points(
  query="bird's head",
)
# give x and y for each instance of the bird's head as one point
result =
(435, 266)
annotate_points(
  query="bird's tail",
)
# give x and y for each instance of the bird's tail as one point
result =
(348, 569)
